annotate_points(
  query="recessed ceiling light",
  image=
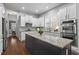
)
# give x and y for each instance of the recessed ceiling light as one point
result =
(47, 7)
(36, 10)
(23, 8)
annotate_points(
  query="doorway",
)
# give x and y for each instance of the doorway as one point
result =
(4, 33)
(12, 26)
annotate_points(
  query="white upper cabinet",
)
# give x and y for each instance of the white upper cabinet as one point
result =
(22, 21)
(26, 19)
(38, 22)
(29, 19)
(71, 11)
(35, 22)
(41, 21)
(62, 13)
(52, 20)
(67, 12)
(47, 21)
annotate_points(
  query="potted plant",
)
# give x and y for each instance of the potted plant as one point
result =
(40, 30)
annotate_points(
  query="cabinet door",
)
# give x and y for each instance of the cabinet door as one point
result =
(35, 22)
(62, 13)
(41, 21)
(29, 19)
(25, 19)
(71, 10)
(22, 21)
(47, 22)
(22, 36)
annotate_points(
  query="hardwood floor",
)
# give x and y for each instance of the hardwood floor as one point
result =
(16, 47)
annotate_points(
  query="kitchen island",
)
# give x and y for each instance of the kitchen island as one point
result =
(47, 44)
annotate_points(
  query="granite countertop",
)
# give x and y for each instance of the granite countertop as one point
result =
(56, 41)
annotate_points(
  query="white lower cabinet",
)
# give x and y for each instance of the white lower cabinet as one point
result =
(1, 45)
(22, 36)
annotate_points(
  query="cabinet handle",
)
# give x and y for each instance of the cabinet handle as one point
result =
(68, 16)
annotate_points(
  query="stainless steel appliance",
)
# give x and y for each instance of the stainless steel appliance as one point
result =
(69, 30)
(28, 26)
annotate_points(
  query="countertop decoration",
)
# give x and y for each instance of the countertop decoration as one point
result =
(56, 29)
(39, 30)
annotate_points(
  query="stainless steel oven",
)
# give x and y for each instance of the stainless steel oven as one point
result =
(69, 30)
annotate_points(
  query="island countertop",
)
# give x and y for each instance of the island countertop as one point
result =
(56, 41)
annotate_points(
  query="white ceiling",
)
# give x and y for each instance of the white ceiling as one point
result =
(31, 8)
